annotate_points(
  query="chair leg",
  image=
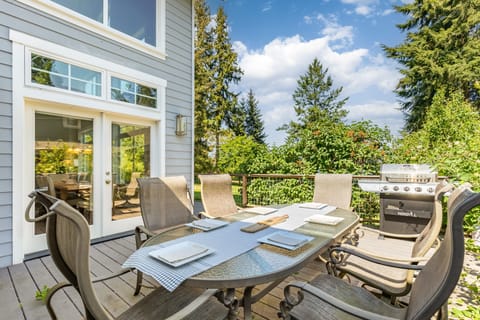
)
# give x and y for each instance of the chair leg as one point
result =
(139, 283)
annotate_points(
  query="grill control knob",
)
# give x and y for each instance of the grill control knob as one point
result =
(418, 189)
(430, 189)
(385, 188)
(406, 189)
(395, 188)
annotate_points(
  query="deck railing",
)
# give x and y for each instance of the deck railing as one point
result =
(271, 189)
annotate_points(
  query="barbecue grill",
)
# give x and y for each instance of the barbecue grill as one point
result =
(406, 196)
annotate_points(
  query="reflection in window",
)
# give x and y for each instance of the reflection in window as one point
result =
(134, 18)
(64, 162)
(89, 8)
(58, 74)
(131, 92)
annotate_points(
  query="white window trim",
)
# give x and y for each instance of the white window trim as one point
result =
(73, 17)
(22, 45)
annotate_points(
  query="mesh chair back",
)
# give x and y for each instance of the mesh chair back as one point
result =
(217, 196)
(333, 189)
(164, 202)
(438, 278)
(68, 239)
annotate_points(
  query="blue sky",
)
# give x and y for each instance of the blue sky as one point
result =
(276, 40)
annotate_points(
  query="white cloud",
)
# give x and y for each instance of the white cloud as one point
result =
(273, 71)
(362, 7)
(383, 113)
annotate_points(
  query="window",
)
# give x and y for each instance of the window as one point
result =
(58, 74)
(132, 92)
(137, 19)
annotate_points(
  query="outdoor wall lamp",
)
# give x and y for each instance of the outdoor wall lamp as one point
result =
(181, 125)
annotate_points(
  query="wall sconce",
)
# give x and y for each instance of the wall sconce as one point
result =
(181, 125)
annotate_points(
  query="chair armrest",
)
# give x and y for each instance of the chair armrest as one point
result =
(192, 306)
(324, 296)
(387, 261)
(357, 250)
(389, 234)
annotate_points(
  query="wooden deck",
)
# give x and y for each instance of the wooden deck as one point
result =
(19, 283)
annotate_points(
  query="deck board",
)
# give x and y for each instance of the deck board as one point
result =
(10, 305)
(20, 282)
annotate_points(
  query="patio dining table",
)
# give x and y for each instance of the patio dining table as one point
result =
(261, 263)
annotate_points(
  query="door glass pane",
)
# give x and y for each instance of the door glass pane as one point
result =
(90, 8)
(130, 160)
(135, 18)
(64, 162)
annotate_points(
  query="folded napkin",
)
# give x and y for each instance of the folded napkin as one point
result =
(260, 210)
(286, 239)
(323, 219)
(207, 224)
(313, 205)
(181, 252)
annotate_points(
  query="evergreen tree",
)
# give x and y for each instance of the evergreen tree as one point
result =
(253, 118)
(440, 52)
(315, 99)
(203, 83)
(225, 71)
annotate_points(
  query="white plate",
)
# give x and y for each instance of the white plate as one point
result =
(181, 253)
(260, 210)
(323, 219)
(313, 205)
(286, 239)
(207, 224)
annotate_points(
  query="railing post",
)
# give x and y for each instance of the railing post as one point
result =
(244, 190)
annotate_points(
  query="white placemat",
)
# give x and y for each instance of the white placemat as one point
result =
(228, 242)
(296, 216)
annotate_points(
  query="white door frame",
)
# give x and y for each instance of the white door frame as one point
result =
(110, 226)
(23, 90)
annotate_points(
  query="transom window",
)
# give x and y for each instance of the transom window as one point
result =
(58, 74)
(134, 18)
(132, 92)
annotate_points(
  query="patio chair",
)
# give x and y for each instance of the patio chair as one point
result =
(328, 297)
(164, 203)
(333, 189)
(369, 258)
(217, 196)
(129, 191)
(68, 239)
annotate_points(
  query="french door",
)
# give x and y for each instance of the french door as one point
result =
(128, 157)
(91, 160)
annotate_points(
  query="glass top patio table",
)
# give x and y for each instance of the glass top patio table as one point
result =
(264, 263)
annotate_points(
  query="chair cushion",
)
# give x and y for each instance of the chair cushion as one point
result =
(314, 308)
(161, 304)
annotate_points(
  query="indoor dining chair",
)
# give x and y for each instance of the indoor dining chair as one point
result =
(333, 189)
(369, 258)
(217, 196)
(328, 297)
(68, 239)
(165, 203)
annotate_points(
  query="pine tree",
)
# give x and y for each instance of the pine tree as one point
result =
(440, 51)
(315, 99)
(225, 71)
(253, 118)
(203, 83)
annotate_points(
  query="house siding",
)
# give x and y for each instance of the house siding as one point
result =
(176, 69)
